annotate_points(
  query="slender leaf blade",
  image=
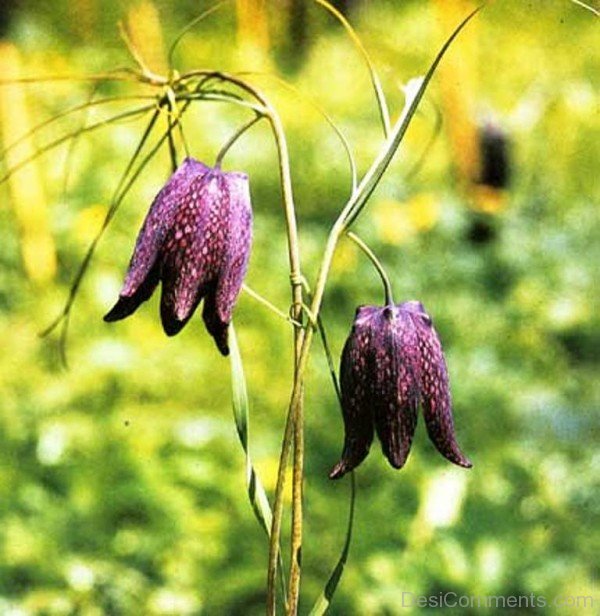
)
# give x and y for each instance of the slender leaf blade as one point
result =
(241, 414)
(414, 93)
(324, 601)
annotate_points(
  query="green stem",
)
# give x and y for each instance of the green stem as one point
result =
(389, 298)
(265, 302)
(188, 27)
(294, 423)
(171, 106)
(347, 216)
(293, 420)
(380, 96)
(238, 133)
(303, 338)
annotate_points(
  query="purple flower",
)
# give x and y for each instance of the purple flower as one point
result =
(392, 363)
(196, 240)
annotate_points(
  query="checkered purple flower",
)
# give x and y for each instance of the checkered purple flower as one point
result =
(196, 240)
(392, 363)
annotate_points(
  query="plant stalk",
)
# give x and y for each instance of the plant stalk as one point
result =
(294, 422)
(387, 285)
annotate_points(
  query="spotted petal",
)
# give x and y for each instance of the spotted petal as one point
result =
(356, 389)
(395, 384)
(435, 393)
(193, 249)
(144, 271)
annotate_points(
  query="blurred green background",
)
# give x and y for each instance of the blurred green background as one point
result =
(121, 480)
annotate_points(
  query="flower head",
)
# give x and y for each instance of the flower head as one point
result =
(392, 363)
(196, 240)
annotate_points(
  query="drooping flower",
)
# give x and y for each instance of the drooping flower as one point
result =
(392, 363)
(195, 240)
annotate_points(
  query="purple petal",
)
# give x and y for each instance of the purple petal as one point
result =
(356, 396)
(192, 250)
(127, 305)
(237, 252)
(435, 393)
(395, 384)
(158, 222)
(215, 326)
(142, 276)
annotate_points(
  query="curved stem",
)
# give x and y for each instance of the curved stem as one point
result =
(221, 98)
(66, 112)
(171, 107)
(384, 114)
(307, 99)
(238, 133)
(56, 142)
(303, 338)
(389, 298)
(294, 420)
(188, 27)
(128, 74)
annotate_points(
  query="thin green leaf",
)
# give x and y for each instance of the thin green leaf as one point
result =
(414, 91)
(66, 112)
(265, 302)
(53, 144)
(118, 74)
(120, 193)
(241, 414)
(72, 144)
(256, 491)
(172, 106)
(324, 601)
(381, 102)
(330, 364)
(189, 26)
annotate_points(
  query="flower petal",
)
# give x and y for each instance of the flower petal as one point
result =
(157, 223)
(127, 305)
(145, 268)
(215, 326)
(435, 394)
(355, 381)
(239, 240)
(193, 250)
(395, 384)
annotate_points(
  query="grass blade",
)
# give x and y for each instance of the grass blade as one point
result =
(241, 414)
(188, 27)
(65, 113)
(324, 601)
(381, 102)
(65, 138)
(256, 491)
(414, 93)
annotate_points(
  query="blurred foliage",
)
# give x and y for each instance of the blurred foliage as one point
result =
(121, 480)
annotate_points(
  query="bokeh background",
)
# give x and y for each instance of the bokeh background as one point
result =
(121, 480)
